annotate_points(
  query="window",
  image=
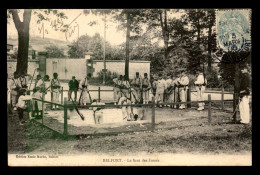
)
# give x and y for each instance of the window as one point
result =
(54, 66)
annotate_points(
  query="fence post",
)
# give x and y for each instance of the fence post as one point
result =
(222, 97)
(153, 114)
(99, 94)
(43, 96)
(235, 103)
(61, 95)
(188, 98)
(209, 108)
(65, 132)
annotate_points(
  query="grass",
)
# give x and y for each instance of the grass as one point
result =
(189, 136)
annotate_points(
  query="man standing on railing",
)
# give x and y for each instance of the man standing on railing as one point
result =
(160, 88)
(146, 86)
(244, 96)
(73, 87)
(137, 85)
(55, 90)
(183, 87)
(84, 91)
(200, 85)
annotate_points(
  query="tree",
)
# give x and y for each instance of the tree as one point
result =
(129, 19)
(23, 29)
(54, 52)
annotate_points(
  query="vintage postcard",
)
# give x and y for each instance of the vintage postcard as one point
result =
(129, 87)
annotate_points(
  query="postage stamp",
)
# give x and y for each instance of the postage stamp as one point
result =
(233, 31)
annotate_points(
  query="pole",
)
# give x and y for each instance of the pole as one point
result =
(65, 132)
(222, 96)
(104, 73)
(188, 98)
(43, 96)
(153, 114)
(61, 95)
(209, 108)
(99, 94)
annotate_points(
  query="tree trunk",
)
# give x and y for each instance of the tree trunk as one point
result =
(209, 47)
(22, 57)
(127, 45)
(23, 39)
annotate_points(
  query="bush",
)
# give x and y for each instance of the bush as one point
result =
(109, 77)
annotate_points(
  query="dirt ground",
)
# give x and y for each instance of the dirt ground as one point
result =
(188, 135)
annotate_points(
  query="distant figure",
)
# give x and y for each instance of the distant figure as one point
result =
(126, 110)
(170, 90)
(244, 93)
(117, 93)
(137, 86)
(146, 86)
(160, 88)
(125, 87)
(200, 85)
(21, 105)
(177, 90)
(39, 83)
(73, 87)
(183, 87)
(97, 112)
(84, 91)
(14, 86)
(55, 90)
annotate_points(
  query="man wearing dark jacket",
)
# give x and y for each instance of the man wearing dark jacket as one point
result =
(244, 93)
(73, 87)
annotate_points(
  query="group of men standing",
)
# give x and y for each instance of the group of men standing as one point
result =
(137, 90)
(166, 89)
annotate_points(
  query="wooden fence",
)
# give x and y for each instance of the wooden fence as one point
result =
(67, 105)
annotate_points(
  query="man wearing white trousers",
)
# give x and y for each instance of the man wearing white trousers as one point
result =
(183, 87)
(244, 97)
(200, 85)
(160, 88)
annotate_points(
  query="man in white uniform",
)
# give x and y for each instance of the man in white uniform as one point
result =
(245, 84)
(183, 87)
(55, 90)
(126, 110)
(84, 91)
(200, 85)
(160, 88)
(146, 86)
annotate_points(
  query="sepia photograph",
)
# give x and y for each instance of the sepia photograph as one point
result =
(129, 87)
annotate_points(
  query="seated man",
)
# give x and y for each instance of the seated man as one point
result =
(22, 106)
